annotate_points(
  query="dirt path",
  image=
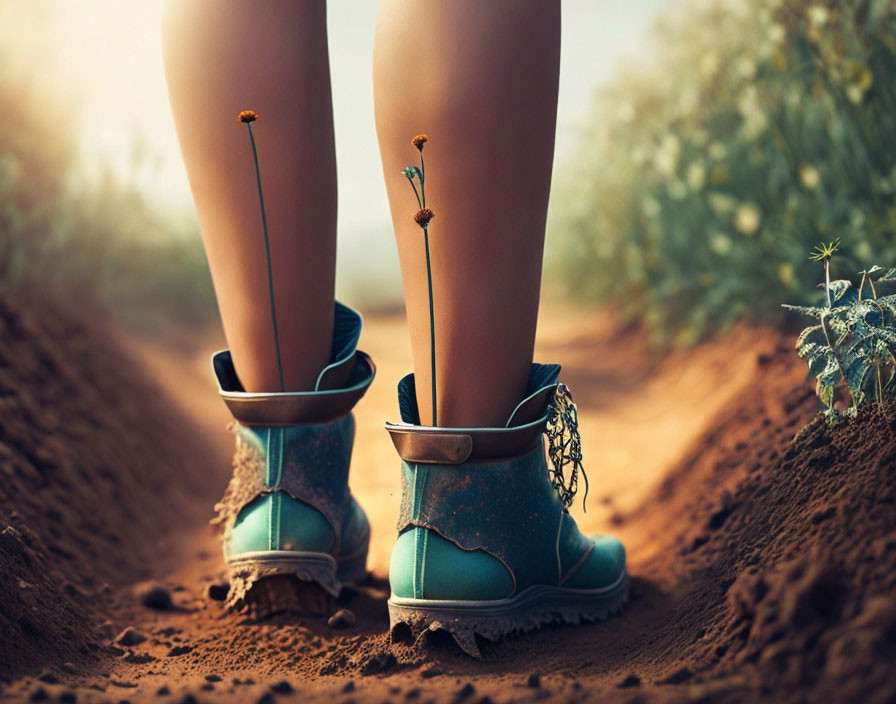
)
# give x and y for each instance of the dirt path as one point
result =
(639, 415)
(691, 463)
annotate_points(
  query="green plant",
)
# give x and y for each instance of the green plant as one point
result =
(853, 345)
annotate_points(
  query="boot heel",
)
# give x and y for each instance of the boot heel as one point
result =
(271, 581)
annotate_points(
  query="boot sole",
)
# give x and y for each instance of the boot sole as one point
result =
(527, 611)
(270, 581)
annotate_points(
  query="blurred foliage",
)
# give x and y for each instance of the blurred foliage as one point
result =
(705, 176)
(96, 240)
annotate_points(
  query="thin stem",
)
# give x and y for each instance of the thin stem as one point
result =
(880, 388)
(873, 290)
(432, 329)
(267, 252)
(419, 202)
(827, 280)
(862, 284)
(827, 337)
(422, 180)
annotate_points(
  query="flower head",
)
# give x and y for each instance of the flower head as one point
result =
(825, 252)
(423, 217)
(419, 141)
(248, 116)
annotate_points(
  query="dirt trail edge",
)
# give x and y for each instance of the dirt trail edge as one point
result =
(762, 541)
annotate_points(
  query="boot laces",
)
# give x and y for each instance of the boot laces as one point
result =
(565, 447)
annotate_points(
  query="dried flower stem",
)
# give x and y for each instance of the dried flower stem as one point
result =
(432, 328)
(432, 316)
(267, 252)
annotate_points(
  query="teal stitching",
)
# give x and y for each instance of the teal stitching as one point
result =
(421, 535)
(423, 561)
(274, 475)
(267, 457)
(274, 533)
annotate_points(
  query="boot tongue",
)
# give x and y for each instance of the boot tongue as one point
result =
(346, 332)
(539, 390)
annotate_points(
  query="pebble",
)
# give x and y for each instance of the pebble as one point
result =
(465, 692)
(534, 681)
(282, 687)
(342, 619)
(630, 681)
(130, 637)
(48, 677)
(218, 592)
(154, 596)
(70, 668)
(349, 687)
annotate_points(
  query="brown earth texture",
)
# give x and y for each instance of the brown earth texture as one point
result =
(762, 542)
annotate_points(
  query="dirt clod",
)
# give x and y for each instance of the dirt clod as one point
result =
(282, 687)
(380, 662)
(630, 681)
(534, 681)
(154, 596)
(218, 592)
(342, 619)
(130, 637)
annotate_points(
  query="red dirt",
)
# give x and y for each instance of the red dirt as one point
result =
(763, 564)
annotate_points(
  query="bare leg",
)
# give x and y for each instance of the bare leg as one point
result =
(221, 57)
(480, 78)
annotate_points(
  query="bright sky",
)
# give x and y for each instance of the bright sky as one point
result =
(108, 52)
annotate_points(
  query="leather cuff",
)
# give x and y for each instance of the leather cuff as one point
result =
(340, 385)
(427, 444)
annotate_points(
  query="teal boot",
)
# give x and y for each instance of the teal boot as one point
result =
(288, 510)
(486, 545)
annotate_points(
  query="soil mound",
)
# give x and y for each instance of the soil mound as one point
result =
(92, 484)
(786, 560)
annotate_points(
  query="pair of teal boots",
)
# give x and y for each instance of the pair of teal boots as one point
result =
(485, 544)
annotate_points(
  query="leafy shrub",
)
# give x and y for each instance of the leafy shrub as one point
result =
(98, 240)
(853, 346)
(703, 177)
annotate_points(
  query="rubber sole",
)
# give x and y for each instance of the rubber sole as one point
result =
(270, 581)
(527, 611)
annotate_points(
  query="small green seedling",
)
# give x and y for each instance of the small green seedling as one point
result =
(854, 343)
